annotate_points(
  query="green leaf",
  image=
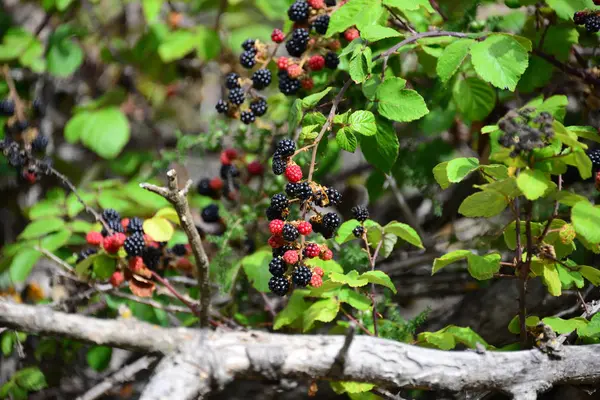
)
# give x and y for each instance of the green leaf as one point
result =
(441, 339)
(151, 9)
(62, 5)
(592, 329)
(106, 132)
(513, 325)
(591, 274)
(379, 278)
(449, 258)
(410, 5)
(6, 343)
(41, 227)
(586, 132)
(381, 150)
(466, 336)
(83, 268)
(98, 357)
(374, 33)
(344, 232)
(580, 160)
(256, 267)
(30, 379)
(482, 268)
(500, 60)
(177, 45)
(355, 299)
(45, 209)
(104, 266)
(64, 54)
(452, 58)
(510, 234)
(586, 220)
(361, 13)
(159, 229)
(314, 99)
(292, 311)
(360, 65)
(551, 279)
(346, 140)
(351, 387)
(363, 122)
(404, 232)
(399, 104)
(483, 204)
(295, 115)
(323, 310)
(351, 278)
(56, 241)
(440, 173)
(565, 9)
(327, 266)
(458, 168)
(474, 98)
(562, 326)
(567, 137)
(534, 183)
(208, 43)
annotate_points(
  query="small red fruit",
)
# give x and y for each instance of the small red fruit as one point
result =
(318, 271)
(117, 278)
(232, 154)
(275, 242)
(119, 238)
(111, 244)
(335, 45)
(293, 173)
(277, 36)
(351, 34)
(256, 168)
(136, 264)
(283, 63)
(316, 63)
(598, 181)
(316, 4)
(307, 83)
(125, 223)
(290, 257)
(312, 250)
(316, 281)
(276, 227)
(305, 228)
(216, 183)
(30, 177)
(225, 159)
(94, 238)
(294, 71)
(326, 255)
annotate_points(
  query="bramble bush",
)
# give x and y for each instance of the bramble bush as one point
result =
(498, 97)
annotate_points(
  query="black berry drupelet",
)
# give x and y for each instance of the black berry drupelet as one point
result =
(290, 233)
(236, 96)
(85, 253)
(39, 143)
(301, 276)
(261, 78)
(248, 59)
(360, 213)
(335, 197)
(279, 285)
(203, 187)
(110, 214)
(286, 147)
(331, 221)
(592, 23)
(321, 24)
(303, 191)
(232, 81)
(136, 225)
(291, 189)
(222, 107)
(179, 250)
(7, 108)
(134, 245)
(358, 231)
(247, 117)
(259, 107)
(298, 43)
(298, 11)
(277, 266)
(332, 60)
(151, 257)
(249, 44)
(279, 202)
(210, 213)
(278, 165)
(287, 85)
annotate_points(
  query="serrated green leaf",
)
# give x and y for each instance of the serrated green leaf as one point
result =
(586, 220)
(379, 278)
(448, 259)
(551, 279)
(55, 241)
(399, 104)
(30, 379)
(586, 132)
(458, 168)
(530, 322)
(363, 122)
(360, 65)
(374, 33)
(483, 204)
(104, 266)
(323, 310)
(292, 311)
(159, 229)
(327, 266)
(452, 58)
(314, 99)
(440, 173)
(6, 343)
(482, 268)
(563, 326)
(361, 13)
(351, 279)
(344, 232)
(64, 54)
(566, 8)
(410, 5)
(534, 183)
(405, 232)
(256, 267)
(591, 274)
(176, 45)
(41, 227)
(474, 98)
(381, 149)
(355, 299)
(346, 140)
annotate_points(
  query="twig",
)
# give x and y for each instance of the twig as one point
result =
(14, 95)
(125, 374)
(401, 22)
(178, 198)
(589, 78)
(357, 322)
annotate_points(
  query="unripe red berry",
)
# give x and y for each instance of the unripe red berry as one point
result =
(283, 63)
(125, 223)
(335, 45)
(277, 36)
(305, 228)
(294, 71)
(312, 250)
(316, 63)
(293, 173)
(316, 281)
(216, 183)
(30, 177)
(307, 83)
(275, 242)
(112, 244)
(225, 159)
(184, 263)
(318, 271)
(94, 238)
(351, 34)
(290, 257)
(316, 4)
(232, 154)
(117, 278)
(136, 264)
(256, 168)
(326, 255)
(276, 227)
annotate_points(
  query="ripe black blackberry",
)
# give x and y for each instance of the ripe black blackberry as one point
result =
(290, 233)
(279, 202)
(298, 43)
(330, 3)
(151, 257)
(210, 213)
(279, 252)
(298, 11)
(114, 225)
(331, 221)
(286, 147)
(222, 107)
(287, 85)
(248, 59)
(38, 108)
(272, 214)
(278, 165)
(20, 126)
(203, 187)
(232, 81)
(335, 197)
(301, 275)
(16, 158)
(321, 24)
(229, 171)
(110, 214)
(332, 60)
(592, 23)
(236, 96)
(247, 117)
(580, 17)
(291, 189)
(7, 107)
(85, 253)
(360, 213)
(358, 231)
(261, 78)
(134, 245)
(277, 266)
(179, 250)
(39, 143)
(594, 155)
(279, 285)
(259, 107)
(304, 191)
(248, 44)
(136, 225)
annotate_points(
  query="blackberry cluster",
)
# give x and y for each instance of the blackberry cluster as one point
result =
(332, 60)
(249, 44)
(248, 59)
(85, 253)
(259, 107)
(335, 197)
(298, 12)
(135, 225)
(261, 78)
(114, 225)
(286, 148)
(110, 214)
(232, 81)
(301, 276)
(247, 117)
(179, 250)
(279, 285)
(7, 108)
(590, 20)
(331, 221)
(358, 231)
(152, 257)
(321, 24)
(279, 202)
(134, 245)
(277, 266)
(360, 213)
(290, 233)
(524, 131)
(288, 86)
(272, 214)
(298, 42)
(222, 107)
(236, 96)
